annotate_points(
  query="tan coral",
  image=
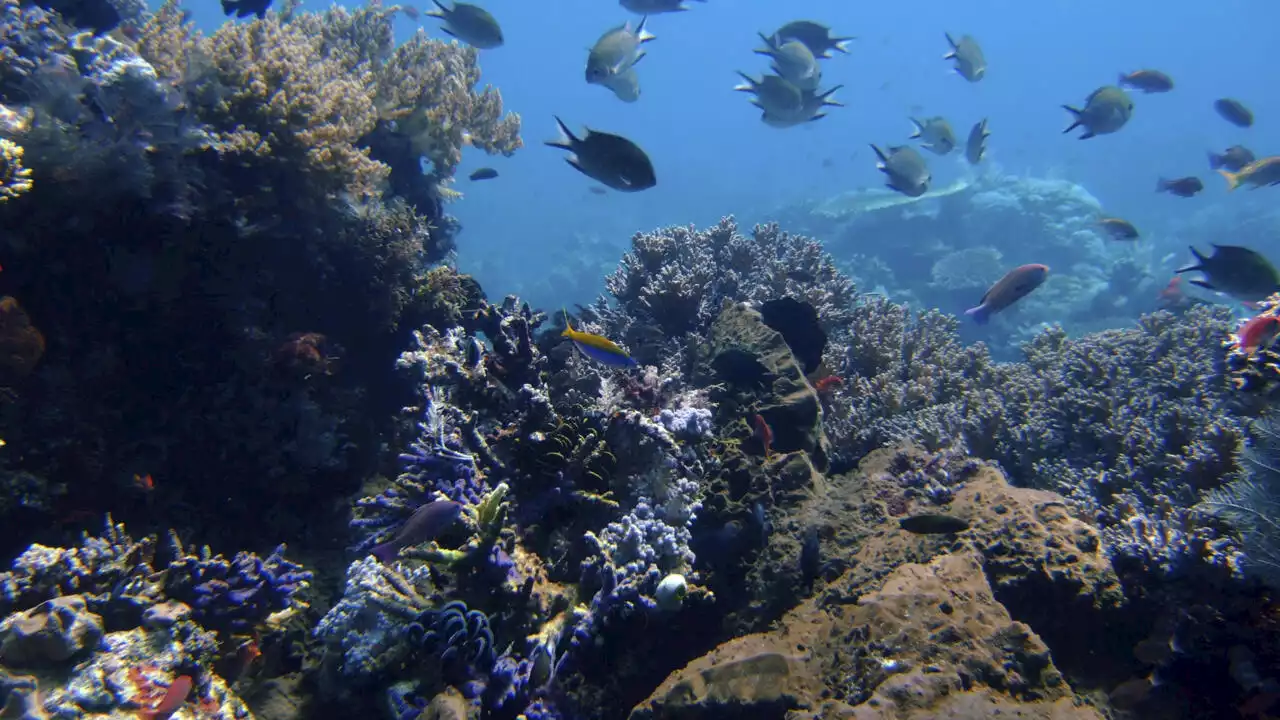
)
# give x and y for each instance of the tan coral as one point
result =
(311, 87)
(14, 178)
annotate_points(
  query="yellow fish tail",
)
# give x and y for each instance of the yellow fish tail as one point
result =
(1233, 179)
(568, 328)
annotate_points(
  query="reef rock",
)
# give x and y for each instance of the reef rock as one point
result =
(930, 642)
(752, 358)
(903, 625)
(49, 633)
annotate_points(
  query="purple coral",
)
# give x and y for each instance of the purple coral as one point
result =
(234, 595)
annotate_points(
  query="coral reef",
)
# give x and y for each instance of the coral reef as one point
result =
(1251, 504)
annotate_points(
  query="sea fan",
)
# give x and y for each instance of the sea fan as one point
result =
(1252, 504)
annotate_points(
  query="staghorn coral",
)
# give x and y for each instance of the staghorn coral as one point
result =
(14, 178)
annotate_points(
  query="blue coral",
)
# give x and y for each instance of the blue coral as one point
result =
(239, 594)
(458, 637)
(435, 463)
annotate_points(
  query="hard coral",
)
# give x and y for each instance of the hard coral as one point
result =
(675, 280)
(14, 178)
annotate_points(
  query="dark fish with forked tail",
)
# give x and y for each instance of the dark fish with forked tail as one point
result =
(245, 8)
(815, 36)
(933, 524)
(1015, 285)
(976, 148)
(1236, 271)
(423, 525)
(611, 160)
(908, 172)
(1106, 110)
(971, 64)
(469, 23)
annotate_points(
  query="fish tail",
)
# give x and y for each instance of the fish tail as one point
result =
(385, 553)
(879, 153)
(1197, 265)
(229, 6)
(917, 128)
(1123, 80)
(566, 139)
(642, 35)
(1162, 185)
(1075, 117)
(980, 314)
(950, 41)
(749, 86)
(1215, 160)
(826, 97)
(568, 328)
(1233, 179)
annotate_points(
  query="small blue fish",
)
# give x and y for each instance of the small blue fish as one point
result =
(598, 348)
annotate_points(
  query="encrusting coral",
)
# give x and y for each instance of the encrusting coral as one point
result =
(14, 178)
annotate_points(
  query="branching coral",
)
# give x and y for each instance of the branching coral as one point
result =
(1252, 504)
(14, 178)
(311, 88)
(674, 281)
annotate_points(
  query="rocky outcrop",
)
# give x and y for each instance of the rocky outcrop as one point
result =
(755, 360)
(902, 625)
(49, 633)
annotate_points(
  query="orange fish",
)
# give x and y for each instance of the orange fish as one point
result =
(828, 384)
(1172, 294)
(145, 483)
(1015, 285)
(173, 699)
(1258, 332)
(763, 433)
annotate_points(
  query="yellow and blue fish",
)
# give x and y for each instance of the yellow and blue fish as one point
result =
(597, 347)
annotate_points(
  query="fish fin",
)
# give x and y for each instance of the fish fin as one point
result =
(642, 35)
(751, 84)
(443, 8)
(568, 327)
(879, 153)
(1215, 160)
(1075, 116)
(640, 55)
(1087, 134)
(229, 6)
(839, 44)
(918, 128)
(385, 553)
(826, 97)
(1162, 185)
(951, 41)
(817, 116)
(1233, 179)
(979, 314)
(566, 139)
(447, 31)
(1204, 284)
(1122, 80)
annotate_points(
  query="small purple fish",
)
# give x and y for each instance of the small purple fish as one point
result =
(424, 524)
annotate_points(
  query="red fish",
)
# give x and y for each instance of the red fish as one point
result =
(1258, 332)
(1015, 285)
(763, 433)
(828, 384)
(173, 699)
(1172, 294)
(145, 483)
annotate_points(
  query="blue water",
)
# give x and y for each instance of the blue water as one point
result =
(714, 157)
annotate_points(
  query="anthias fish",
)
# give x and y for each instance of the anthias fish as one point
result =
(1015, 285)
(1148, 81)
(1257, 333)
(1182, 187)
(1118, 228)
(422, 526)
(174, 698)
(1234, 112)
(597, 347)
